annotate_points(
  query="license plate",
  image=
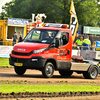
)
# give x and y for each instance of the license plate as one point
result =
(18, 64)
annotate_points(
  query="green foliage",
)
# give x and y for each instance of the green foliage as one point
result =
(56, 10)
(88, 11)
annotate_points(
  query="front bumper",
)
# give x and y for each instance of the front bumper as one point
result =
(33, 63)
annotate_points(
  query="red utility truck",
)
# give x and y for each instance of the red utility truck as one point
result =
(47, 49)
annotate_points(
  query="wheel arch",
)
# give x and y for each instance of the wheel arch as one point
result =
(91, 67)
(53, 61)
(91, 73)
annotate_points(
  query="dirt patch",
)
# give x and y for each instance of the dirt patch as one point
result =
(21, 82)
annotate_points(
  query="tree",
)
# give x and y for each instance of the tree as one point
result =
(87, 12)
(7, 8)
(56, 10)
(23, 8)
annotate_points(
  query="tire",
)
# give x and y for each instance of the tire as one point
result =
(92, 73)
(19, 70)
(48, 70)
(65, 73)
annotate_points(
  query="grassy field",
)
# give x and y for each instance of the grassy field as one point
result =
(45, 88)
(4, 62)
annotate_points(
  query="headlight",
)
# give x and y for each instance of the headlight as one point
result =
(39, 50)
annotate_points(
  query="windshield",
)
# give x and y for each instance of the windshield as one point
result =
(40, 36)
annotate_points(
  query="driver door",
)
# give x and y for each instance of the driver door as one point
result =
(63, 52)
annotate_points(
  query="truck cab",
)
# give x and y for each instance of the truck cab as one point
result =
(46, 49)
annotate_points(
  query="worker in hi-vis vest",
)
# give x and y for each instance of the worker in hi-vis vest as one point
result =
(79, 42)
(86, 43)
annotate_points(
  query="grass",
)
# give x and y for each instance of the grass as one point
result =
(4, 62)
(45, 88)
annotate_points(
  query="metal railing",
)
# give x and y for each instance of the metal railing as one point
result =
(84, 47)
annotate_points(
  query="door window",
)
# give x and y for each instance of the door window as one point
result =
(63, 38)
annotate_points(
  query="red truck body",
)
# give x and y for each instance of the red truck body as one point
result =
(28, 47)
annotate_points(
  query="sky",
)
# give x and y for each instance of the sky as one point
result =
(2, 3)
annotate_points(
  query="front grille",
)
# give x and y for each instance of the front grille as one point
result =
(22, 54)
(19, 59)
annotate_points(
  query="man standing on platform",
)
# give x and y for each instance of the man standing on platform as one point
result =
(86, 43)
(79, 42)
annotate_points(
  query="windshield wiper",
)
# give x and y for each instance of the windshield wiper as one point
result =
(36, 41)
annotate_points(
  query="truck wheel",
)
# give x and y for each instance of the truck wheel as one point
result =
(19, 70)
(48, 70)
(92, 73)
(65, 73)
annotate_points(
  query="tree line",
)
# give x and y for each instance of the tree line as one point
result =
(88, 11)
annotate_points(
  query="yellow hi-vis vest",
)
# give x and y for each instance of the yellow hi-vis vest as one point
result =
(79, 42)
(87, 41)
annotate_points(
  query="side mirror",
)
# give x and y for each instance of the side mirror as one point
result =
(57, 43)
